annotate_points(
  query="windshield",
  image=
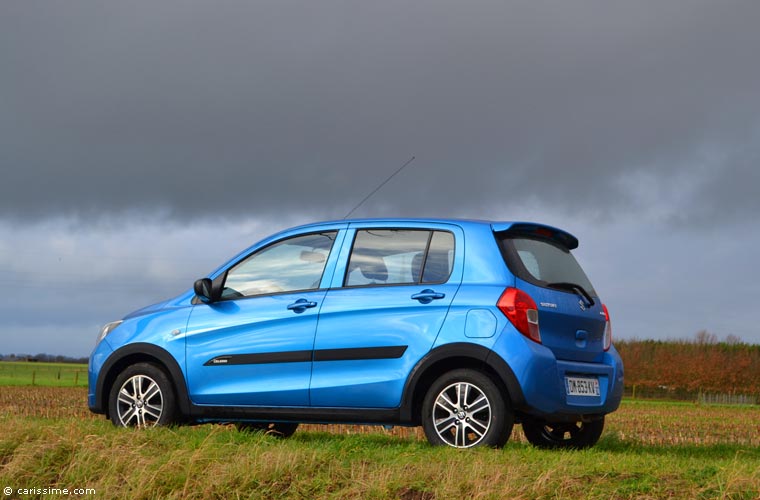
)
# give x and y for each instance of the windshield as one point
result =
(544, 263)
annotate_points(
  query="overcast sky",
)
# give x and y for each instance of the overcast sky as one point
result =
(142, 143)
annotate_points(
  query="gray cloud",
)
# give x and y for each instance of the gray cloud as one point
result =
(62, 280)
(239, 108)
(142, 143)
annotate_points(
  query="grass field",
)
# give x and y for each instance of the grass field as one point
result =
(43, 374)
(649, 450)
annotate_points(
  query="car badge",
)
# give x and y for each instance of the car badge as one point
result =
(583, 306)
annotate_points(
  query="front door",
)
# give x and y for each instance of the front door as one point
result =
(254, 346)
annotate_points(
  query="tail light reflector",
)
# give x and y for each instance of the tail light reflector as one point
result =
(607, 340)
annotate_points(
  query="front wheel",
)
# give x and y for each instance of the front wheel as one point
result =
(142, 396)
(464, 408)
(573, 435)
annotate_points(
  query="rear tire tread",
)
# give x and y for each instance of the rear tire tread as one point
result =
(563, 435)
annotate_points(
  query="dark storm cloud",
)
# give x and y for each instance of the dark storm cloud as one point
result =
(251, 107)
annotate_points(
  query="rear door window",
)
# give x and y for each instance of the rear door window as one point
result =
(400, 256)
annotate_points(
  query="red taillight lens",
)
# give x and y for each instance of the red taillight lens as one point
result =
(521, 311)
(607, 329)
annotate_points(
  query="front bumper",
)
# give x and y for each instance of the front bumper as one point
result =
(97, 359)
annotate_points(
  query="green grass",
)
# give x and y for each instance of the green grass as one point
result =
(652, 450)
(14, 373)
(214, 461)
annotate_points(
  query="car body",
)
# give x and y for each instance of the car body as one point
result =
(463, 327)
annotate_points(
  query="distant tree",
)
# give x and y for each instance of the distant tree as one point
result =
(732, 339)
(703, 337)
(42, 357)
(691, 366)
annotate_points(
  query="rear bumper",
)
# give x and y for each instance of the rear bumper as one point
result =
(553, 403)
(543, 385)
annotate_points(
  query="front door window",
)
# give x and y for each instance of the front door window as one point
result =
(295, 264)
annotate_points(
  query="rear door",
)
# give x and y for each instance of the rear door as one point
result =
(571, 316)
(383, 312)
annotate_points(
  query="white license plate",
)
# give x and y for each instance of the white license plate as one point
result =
(582, 386)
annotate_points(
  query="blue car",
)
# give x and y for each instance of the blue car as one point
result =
(462, 327)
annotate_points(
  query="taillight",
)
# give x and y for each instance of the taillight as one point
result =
(607, 340)
(521, 311)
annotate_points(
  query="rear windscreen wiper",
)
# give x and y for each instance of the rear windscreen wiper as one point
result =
(575, 288)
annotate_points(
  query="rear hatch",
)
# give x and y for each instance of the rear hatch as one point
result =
(571, 317)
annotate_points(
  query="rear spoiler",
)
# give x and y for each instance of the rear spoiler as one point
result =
(539, 231)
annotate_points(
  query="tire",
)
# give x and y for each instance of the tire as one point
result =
(563, 435)
(142, 396)
(464, 408)
(277, 429)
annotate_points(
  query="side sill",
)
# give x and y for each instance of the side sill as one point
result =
(369, 416)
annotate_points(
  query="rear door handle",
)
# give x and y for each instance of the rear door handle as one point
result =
(301, 305)
(427, 296)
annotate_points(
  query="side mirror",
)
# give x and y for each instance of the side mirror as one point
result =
(202, 288)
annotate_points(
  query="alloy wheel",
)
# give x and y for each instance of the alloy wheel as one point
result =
(462, 415)
(140, 402)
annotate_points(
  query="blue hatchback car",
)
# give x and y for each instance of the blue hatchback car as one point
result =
(462, 327)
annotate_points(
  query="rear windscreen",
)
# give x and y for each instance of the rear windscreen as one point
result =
(542, 262)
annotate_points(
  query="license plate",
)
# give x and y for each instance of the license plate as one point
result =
(582, 386)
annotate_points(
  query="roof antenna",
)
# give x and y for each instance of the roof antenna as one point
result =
(410, 160)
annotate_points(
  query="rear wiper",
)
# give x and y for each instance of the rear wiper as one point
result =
(575, 288)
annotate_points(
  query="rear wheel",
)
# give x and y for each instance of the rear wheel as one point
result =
(142, 396)
(464, 408)
(573, 435)
(277, 429)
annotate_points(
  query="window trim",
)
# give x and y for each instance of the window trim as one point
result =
(223, 275)
(430, 232)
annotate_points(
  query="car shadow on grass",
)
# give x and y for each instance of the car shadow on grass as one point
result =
(375, 439)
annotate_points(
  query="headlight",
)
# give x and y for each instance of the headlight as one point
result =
(106, 330)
